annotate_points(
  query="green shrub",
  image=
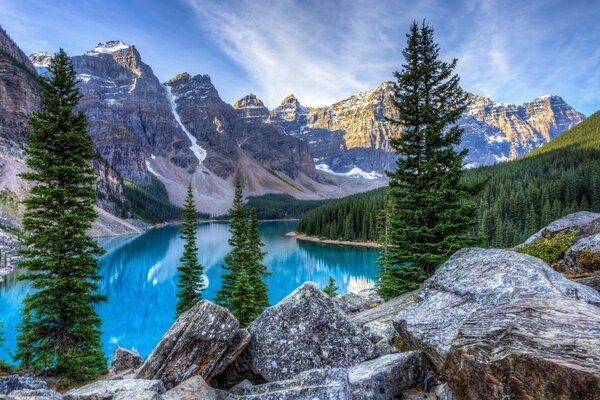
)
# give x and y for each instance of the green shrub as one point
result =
(551, 248)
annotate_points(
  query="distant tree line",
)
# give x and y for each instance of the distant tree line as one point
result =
(521, 196)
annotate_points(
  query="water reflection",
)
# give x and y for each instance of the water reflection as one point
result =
(140, 278)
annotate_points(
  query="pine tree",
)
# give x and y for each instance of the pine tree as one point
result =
(237, 257)
(243, 303)
(331, 288)
(431, 211)
(60, 329)
(191, 279)
(257, 269)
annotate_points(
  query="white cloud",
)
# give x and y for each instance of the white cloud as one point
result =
(290, 46)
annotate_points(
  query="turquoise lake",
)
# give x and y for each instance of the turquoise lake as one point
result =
(140, 277)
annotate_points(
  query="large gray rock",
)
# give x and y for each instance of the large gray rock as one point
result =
(583, 257)
(592, 281)
(16, 382)
(475, 278)
(113, 389)
(34, 394)
(528, 349)
(203, 341)
(142, 395)
(587, 223)
(306, 330)
(124, 360)
(318, 384)
(386, 312)
(386, 377)
(353, 303)
(194, 389)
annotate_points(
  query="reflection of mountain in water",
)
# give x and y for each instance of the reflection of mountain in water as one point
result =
(140, 278)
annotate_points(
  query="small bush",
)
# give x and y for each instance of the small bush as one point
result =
(400, 345)
(589, 261)
(551, 248)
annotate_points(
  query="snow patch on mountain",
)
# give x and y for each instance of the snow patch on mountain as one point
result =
(152, 170)
(108, 48)
(198, 151)
(353, 173)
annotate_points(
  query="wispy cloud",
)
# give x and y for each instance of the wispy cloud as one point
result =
(318, 51)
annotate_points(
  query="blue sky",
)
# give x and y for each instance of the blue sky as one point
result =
(324, 51)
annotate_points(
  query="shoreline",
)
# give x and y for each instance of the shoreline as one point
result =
(314, 239)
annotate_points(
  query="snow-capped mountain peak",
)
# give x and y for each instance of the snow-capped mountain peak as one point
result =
(108, 47)
(40, 59)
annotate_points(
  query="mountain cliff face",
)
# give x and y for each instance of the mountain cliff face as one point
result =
(354, 133)
(181, 132)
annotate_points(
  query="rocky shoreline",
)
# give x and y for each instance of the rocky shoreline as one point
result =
(314, 239)
(489, 324)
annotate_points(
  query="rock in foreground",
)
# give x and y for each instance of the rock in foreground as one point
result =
(387, 377)
(16, 382)
(34, 394)
(321, 384)
(306, 330)
(203, 341)
(472, 279)
(530, 349)
(124, 360)
(585, 222)
(117, 389)
(583, 258)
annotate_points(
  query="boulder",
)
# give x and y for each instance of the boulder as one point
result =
(322, 384)
(386, 377)
(471, 279)
(142, 395)
(376, 331)
(124, 360)
(34, 394)
(587, 223)
(16, 382)
(583, 258)
(194, 389)
(531, 348)
(385, 312)
(113, 389)
(306, 330)
(353, 303)
(592, 281)
(203, 341)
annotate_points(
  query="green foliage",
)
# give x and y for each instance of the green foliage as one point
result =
(350, 218)
(282, 206)
(191, 279)
(559, 178)
(243, 289)
(550, 248)
(60, 330)
(331, 288)
(257, 270)
(149, 202)
(520, 198)
(428, 209)
(236, 258)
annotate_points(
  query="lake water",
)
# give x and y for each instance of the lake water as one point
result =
(140, 276)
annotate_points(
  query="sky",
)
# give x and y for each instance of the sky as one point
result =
(326, 51)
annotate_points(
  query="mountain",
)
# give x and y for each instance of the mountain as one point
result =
(170, 134)
(353, 134)
(520, 196)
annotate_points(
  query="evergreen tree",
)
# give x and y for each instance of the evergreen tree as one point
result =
(60, 330)
(238, 256)
(431, 214)
(243, 303)
(257, 269)
(191, 279)
(331, 288)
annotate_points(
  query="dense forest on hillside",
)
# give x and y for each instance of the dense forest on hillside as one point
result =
(282, 206)
(521, 196)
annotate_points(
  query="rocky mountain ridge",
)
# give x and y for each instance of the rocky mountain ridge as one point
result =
(354, 133)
